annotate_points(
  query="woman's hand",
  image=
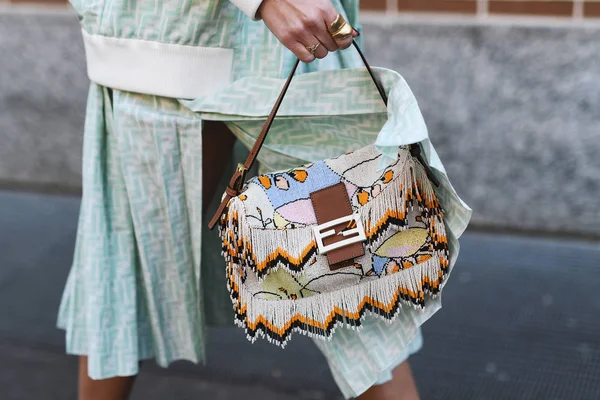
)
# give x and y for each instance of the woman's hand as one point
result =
(300, 24)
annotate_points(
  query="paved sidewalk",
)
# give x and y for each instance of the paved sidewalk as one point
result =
(520, 321)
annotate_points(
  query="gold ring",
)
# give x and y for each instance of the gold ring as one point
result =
(312, 49)
(339, 29)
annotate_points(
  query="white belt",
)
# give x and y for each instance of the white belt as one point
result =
(162, 69)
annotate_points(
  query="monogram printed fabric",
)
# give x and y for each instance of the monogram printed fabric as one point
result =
(280, 284)
(153, 288)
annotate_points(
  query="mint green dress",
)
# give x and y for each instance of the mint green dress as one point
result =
(141, 286)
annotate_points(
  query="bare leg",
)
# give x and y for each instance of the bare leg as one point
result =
(401, 387)
(217, 143)
(114, 388)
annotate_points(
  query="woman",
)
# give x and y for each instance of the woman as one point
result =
(134, 291)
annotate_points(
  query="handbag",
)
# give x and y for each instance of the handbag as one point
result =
(318, 246)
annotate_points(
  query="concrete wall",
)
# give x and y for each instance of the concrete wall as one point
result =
(513, 109)
(43, 90)
(514, 112)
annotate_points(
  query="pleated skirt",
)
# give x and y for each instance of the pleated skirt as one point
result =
(146, 280)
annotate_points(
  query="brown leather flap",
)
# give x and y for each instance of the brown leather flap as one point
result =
(329, 204)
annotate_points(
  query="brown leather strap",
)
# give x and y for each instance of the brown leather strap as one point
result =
(238, 177)
(235, 182)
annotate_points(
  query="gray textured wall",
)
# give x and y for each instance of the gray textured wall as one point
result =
(514, 111)
(43, 89)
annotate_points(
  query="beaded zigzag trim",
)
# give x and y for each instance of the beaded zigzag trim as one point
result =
(318, 316)
(304, 321)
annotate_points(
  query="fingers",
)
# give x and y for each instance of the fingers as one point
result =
(326, 40)
(344, 43)
(328, 16)
(300, 50)
(309, 53)
(312, 29)
(321, 51)
(301, 25)
(341, 32)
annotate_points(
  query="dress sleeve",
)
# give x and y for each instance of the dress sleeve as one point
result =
(248, 7)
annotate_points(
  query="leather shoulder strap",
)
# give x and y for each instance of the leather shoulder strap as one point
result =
(237, 180)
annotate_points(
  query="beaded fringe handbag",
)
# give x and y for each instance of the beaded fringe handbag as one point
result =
(316, 246)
